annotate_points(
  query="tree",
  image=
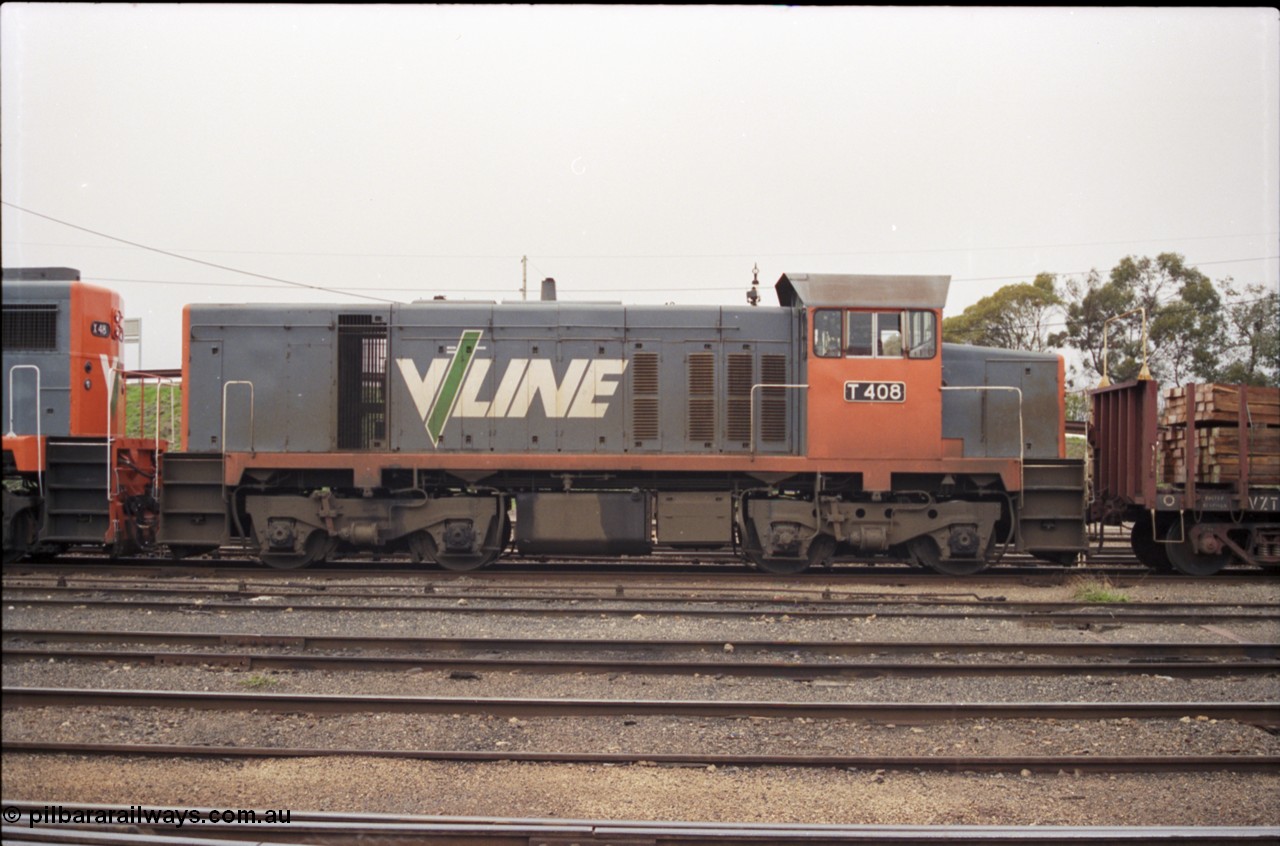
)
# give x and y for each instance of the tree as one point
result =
(1183, 318)
(1188, 333)
(1016, 317)
(1090, 303)
(1252, 354)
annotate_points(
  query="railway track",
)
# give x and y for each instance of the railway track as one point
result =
(772, 659)
(1263, 714)
(1032, 613)
(1048, 764)
(333, 829)
(1114, 563)
(618, 591)
(170, 723)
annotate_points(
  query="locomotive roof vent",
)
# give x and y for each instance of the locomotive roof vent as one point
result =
(548, 289)
(52, 274)
(852, 291)
(441, 299)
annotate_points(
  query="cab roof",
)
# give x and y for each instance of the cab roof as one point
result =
(854, 291)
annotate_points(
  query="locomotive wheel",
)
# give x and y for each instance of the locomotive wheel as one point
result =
(1186, 560)
(778, 566)
(925, 553)
(317, 548)
(281, 561)
(463, 563)
(821, 550)
(422, 547)
(22, 535)
(1153, 554)
(489, 553)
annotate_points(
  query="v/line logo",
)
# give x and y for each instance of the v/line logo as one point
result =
(452, 387)
(111, 373)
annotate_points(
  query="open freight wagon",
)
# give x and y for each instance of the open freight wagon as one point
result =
(1200, 481)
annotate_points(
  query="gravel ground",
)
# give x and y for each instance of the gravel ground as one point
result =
(776, 794)
(773, 794)
(642, 735)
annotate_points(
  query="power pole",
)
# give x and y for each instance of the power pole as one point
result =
(524, 277)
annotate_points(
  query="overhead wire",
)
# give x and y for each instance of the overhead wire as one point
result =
(288, 282)
(597, 289)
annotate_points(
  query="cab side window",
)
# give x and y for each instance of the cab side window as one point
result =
(826, 333)
(922, 334)
(860, 333)
(888, 334)
(874, 334)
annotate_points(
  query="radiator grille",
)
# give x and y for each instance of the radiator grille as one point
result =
(644, 374)
(738, 407)
(773, 401)
(30, 327)
(644, 418)
(702, 398)
(644, 396)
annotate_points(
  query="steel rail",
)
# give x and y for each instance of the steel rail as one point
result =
(1265, 714)
(1110, 613)
(483, 833)
(682, 595)
(1145, 651)
(868, 573)
(793, 670)
(351, 828)
(934, 763)
(612, 589)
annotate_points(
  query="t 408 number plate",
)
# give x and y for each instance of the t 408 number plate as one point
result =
(875, 392)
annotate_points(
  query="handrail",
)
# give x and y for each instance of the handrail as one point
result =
(223, 444)
(143, 379)
(39, 439)
(111, 373)
(1022, 439)
(160, 382)
(752, 427)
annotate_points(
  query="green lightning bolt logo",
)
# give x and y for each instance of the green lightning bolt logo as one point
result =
(452, 383)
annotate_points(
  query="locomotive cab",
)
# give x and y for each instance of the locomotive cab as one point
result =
(874, 367)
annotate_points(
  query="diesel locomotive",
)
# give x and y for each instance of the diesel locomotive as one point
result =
(70, 477)
(836, 424)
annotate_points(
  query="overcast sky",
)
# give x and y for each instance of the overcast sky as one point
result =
(641, 155)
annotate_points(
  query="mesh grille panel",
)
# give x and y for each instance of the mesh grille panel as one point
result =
(30, 327)
(644, 396)
(362, 382)
(738, 408)
(773, 401)
(702, 401)
(644, 374)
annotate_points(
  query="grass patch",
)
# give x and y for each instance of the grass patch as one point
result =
(140, 412)
(257, 681)
(1099, 592)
